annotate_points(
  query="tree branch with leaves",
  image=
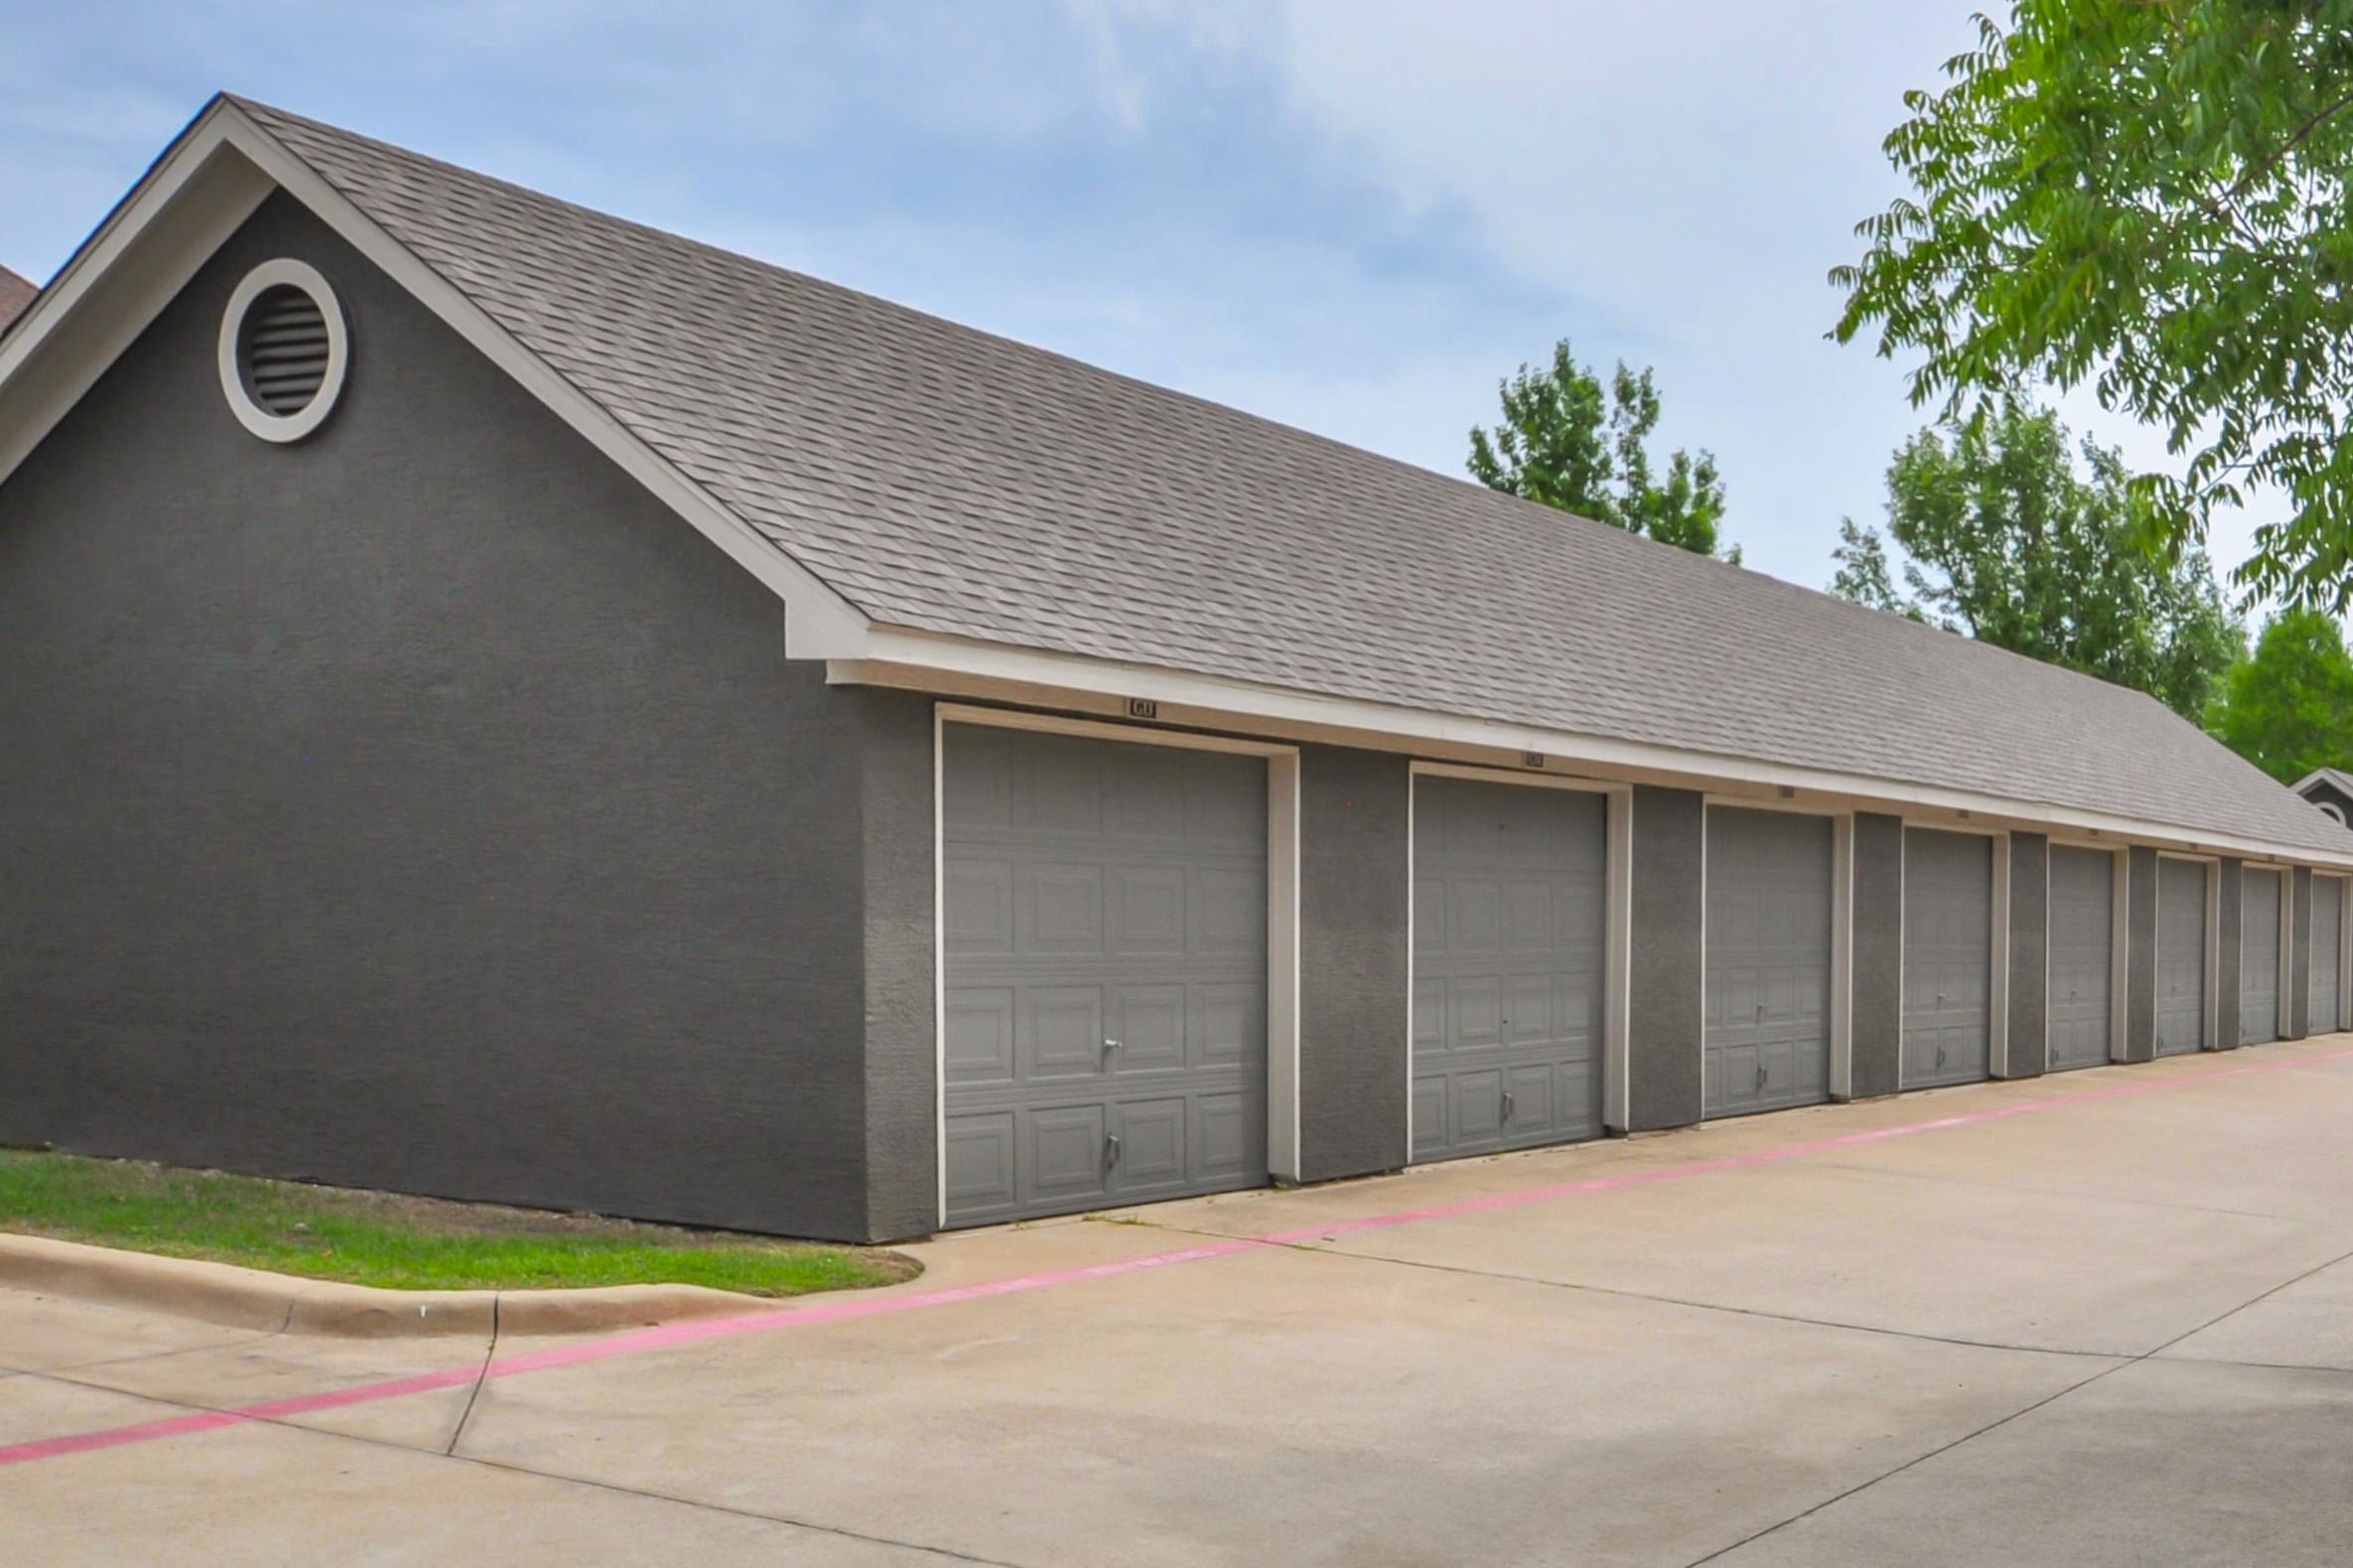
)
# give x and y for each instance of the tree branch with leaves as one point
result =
(1566, 442)
(2149, 198)
(2005, 538)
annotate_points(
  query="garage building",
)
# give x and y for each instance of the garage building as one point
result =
(509, 704)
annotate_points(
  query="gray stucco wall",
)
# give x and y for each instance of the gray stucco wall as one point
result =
(423, 806)
(2029, 954)
(1665, 1011)
(2141, 953)
(1354, 919)
(1878, 959)
(2231, 932)
(897, 824)
(2298, 1009)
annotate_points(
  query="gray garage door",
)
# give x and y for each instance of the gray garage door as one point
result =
(1105, 928)
(2181, 957)
(2328, 953)
(1948, 957)
(1768, 970)
(2083, 930)
(1509, 937)
(2258, 956)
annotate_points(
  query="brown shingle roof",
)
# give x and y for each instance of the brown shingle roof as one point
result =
(15, 294)
(946, 479)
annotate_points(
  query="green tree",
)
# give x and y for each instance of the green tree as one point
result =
(2005, 539)
(2148, 197)
(1863, 572)
(2289, 708)
(1565, 443)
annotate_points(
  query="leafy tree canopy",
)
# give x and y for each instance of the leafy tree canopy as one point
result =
(1563, 442)
(2289, 708)
(2005, 538)
(2148, 197)
(1864, 575)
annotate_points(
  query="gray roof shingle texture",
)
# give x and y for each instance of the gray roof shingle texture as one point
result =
(948, 481)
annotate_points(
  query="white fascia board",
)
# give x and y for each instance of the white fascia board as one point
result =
(119, 281)
(816, 618)
(896, 656)
(195, 197)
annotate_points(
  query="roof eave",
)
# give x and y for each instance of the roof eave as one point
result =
(964, 666)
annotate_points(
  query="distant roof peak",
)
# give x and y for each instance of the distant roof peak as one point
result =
(16, 292)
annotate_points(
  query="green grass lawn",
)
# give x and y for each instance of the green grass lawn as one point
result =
(408, 1243)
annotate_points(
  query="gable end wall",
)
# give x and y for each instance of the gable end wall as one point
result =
(421, 806)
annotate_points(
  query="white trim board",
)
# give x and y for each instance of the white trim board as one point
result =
(1838, 1069)
(1617, 956)
(116, 285)
(2120, 960)
(2120, 942)
(2210, 1025)
(924, 661)
(1997, 968)
(1282, 911)
(225, 163)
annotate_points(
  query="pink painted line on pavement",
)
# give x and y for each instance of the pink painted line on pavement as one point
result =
(1772, 1156)
(850, 1308)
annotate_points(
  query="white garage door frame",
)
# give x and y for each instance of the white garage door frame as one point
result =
(1997, 983)
(2332, 887)
(2344, 895)
(2120, 940)
(2212, 1023)
(1617, 956)
(2289, 936)
(1283, 911)
(1841, 1065)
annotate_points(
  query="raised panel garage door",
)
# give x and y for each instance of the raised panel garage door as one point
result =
(2328, 953)
(1768, 967)
(2083, 933)
(2258, 956)
(1948, 957)
(1104, 946)
(2181, 957)
(1509, 941)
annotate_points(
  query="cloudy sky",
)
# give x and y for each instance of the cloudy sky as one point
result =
(1354, 216)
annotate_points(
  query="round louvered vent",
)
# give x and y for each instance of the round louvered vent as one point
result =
(283, 350)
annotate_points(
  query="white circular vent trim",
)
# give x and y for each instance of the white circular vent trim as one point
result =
(288, 273)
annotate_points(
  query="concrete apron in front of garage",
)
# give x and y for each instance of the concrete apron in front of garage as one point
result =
(2116, 1330)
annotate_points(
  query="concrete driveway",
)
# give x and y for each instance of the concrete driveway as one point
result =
(2106, 1318)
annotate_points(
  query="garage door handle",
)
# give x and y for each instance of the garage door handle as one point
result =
(1110, 1046)
(1760, 1075)
(1510, 1105)
(1940, 1056)
(1110, 1148)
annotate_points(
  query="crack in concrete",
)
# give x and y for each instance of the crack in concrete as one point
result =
(1682, 1301)
(2059, 1191)
(2027, 1410)
(561, 1478)
(149, 1356)
(489, 1353)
